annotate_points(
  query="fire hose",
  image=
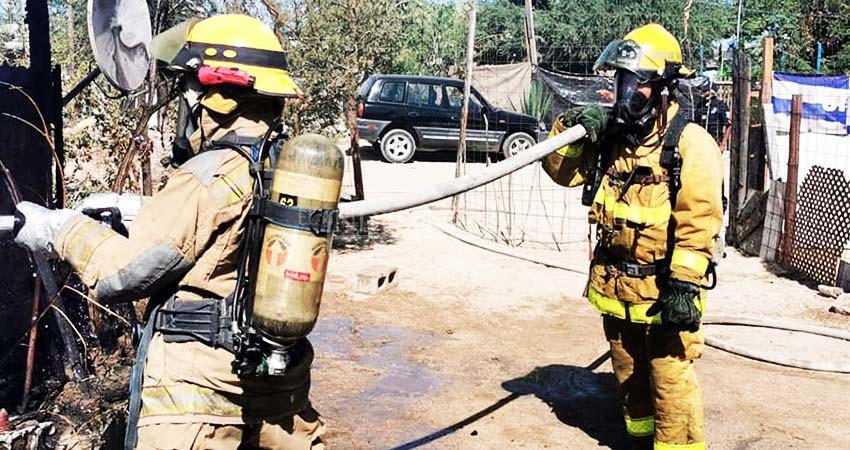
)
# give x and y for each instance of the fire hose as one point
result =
(464, 183)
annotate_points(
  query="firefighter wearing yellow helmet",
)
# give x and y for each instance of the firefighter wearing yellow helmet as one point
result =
(215, 370)
(653, 184)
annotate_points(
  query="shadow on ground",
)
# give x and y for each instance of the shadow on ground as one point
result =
(578, 396)
(790, 274)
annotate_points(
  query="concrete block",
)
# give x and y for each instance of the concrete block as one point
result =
(376, 279)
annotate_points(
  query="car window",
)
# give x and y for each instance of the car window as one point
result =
(392, 91)
(424, 95)
(363, 90)
(454, 94)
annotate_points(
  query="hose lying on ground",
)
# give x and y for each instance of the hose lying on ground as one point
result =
(476, 241)
(464, 183)
(756, 354)
(773, 357)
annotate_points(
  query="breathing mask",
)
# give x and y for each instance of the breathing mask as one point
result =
(634, 112)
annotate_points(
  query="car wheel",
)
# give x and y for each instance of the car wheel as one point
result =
(398, 146)
(516, 143)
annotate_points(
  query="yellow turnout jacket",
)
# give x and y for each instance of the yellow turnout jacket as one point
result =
(638, 224)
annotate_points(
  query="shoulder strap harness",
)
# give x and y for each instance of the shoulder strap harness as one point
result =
(671, 157)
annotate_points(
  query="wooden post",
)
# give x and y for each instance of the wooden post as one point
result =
(464, 112)
(739, 151)
(787, 249)
(355, 148)
(145, 152)
(767, 71)
(31, 347)
(359, 194)
(530, 35)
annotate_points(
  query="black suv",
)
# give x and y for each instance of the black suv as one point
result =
(401, 114)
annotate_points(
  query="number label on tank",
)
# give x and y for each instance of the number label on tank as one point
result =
(287, 200)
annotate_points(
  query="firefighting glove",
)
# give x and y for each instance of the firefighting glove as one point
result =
(677, 306)
(593, 118)
(41, 227)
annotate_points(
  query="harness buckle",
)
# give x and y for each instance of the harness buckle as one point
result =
(323, 221)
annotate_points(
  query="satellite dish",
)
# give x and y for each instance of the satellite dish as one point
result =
(120, 36)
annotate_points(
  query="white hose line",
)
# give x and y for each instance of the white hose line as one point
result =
(476, 241)
(717, 319)
(774, 357)
(464, 183)
(759, 355)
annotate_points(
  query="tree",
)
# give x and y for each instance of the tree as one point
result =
(432, 40)
(333, 46)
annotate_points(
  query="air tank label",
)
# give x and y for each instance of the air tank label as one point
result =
(294, 275)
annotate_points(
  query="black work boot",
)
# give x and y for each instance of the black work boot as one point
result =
(642, 443)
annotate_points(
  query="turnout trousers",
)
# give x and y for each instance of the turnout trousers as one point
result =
(302, 431)
(662, 401)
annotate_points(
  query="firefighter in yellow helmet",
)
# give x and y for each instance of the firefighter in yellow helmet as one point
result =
(653, 185)
(183, 250)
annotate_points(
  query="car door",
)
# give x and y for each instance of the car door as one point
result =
(426, 113)
(476, 123)
(479, 130)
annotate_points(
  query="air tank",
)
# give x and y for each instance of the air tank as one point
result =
(293, 260)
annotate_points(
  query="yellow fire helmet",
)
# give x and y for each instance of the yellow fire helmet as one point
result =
(649, 51)
(230, 49)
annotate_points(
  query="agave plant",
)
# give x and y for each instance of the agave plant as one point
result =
(537, 101)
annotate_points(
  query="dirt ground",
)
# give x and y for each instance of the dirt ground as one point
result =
(477, 350)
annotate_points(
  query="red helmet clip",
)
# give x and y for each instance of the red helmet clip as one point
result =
(209, 76)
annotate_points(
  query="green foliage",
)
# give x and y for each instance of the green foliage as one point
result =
(13, 44)
(537, 102)
(333, 46)
(500, 36)
(571, 34)
(432, 41)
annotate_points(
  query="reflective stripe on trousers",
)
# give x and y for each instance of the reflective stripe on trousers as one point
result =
(640, 427)
(192, 400)
(636, 311)
(186, 399)
(645, 426)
